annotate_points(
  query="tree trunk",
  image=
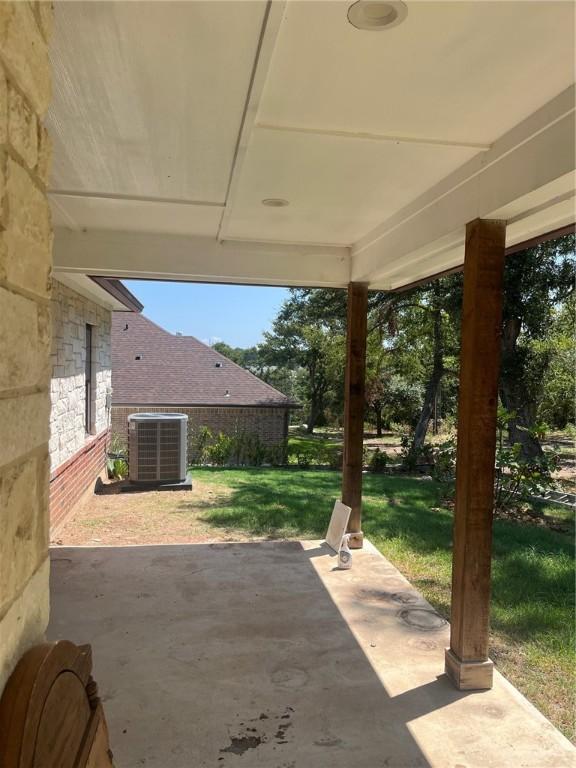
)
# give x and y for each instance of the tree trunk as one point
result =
(432, 387)
(312, 418)
(317, 387)
(436, 409)
(316, 409)
(379, 424)
(513, 394)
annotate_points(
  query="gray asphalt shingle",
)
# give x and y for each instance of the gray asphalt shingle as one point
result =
(151, 366)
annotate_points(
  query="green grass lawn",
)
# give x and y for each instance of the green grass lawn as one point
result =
(533, 615)
(313, 449)
(315, 441)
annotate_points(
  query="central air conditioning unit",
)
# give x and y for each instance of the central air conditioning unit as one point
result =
(157, 447)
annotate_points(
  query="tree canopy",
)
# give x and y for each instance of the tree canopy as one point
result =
(413, 350)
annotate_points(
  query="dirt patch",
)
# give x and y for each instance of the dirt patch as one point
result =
(151, 517)
(528, 516)
(523, 513)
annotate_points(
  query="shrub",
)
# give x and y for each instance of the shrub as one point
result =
(200, 445)
(378, 461)
(336, 458)
(302, 453)
(220, 451)
(311, 453)
(248, 449)
(117, 468)
(444, 458)
(116, 458)
(448, 424)
(411, 457)
(239, 449)
(117, 445)
(327, 454)
(518, 478)
(276, 455)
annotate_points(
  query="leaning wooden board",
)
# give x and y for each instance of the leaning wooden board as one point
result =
(338, 525)
(50, 713)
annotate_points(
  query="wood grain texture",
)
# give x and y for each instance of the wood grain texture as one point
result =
(354, 404)
(50, 713)
(478, 400)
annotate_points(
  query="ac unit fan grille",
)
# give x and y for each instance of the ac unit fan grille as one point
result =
(147, 451)
(169, 464)
(157, 451)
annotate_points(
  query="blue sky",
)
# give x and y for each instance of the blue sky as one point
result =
(236, 314)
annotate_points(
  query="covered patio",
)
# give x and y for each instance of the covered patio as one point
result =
(274, 143)
(388, 192)
(265, 654)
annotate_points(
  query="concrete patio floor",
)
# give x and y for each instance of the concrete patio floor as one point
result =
(263, 654)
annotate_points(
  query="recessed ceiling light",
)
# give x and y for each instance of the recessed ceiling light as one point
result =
(275, 202)
(375, 16)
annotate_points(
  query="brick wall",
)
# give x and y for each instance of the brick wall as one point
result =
(71, 479)
(270, 424)
(25, 264)
(71, 312)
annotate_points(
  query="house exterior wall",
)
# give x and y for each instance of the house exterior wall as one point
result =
(77, 456)
(25, 264)
(71, 480)
(270, 424)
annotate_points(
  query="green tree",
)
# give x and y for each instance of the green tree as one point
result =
(302, 340)
(413, 349)
(257, 360)
(236, 354)
(536, 282)
(556, 406)
(425, 341)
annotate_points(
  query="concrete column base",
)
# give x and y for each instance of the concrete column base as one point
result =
(356, 540)
(468, 675)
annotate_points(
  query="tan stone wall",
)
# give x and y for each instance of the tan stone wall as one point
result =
(25, 264)
(270, 424)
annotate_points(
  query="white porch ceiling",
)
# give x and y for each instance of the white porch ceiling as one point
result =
(173, 120)
(148, 96)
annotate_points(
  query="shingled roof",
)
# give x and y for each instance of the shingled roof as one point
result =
(151, 366)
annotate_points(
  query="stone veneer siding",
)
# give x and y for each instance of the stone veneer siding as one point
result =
(71, 312)
(73, 467)
(270, 424)
(25, 265)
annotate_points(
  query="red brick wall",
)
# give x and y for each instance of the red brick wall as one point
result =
(270, 424)
(72, 478)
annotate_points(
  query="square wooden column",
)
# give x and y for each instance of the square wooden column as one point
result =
(354, 408)
(467, 662)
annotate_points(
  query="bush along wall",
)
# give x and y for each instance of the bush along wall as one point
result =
(244, 449)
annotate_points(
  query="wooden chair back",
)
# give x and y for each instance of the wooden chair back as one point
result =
(50, 713)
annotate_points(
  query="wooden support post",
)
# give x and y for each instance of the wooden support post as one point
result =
(354, 408)
(467, 662)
